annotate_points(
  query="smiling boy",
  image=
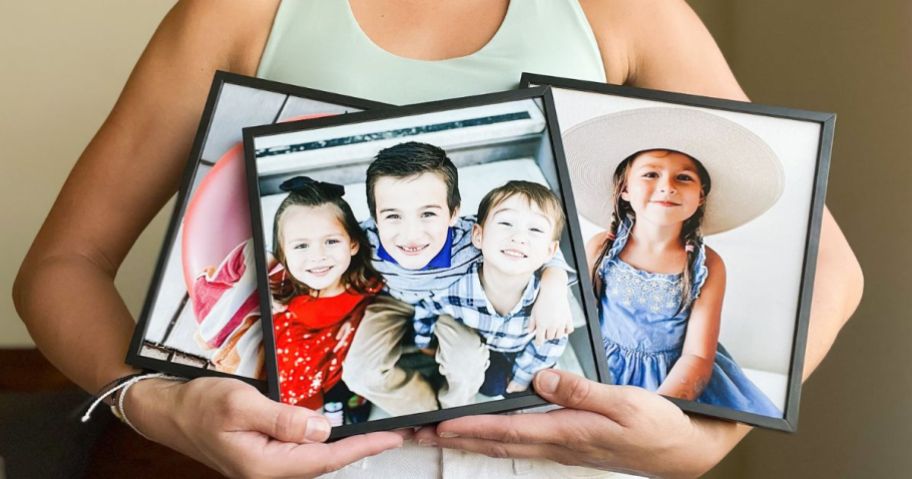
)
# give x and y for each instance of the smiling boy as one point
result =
(518, 232)
(421, 244)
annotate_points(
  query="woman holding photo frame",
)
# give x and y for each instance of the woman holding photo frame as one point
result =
(439, 50)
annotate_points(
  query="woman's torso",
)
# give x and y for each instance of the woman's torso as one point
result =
(322, 45)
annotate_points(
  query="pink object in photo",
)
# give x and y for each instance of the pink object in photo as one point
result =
(218, 215)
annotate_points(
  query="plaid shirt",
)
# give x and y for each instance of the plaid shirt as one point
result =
(412, 286)
(466, 302)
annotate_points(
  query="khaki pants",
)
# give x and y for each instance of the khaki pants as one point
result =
(370, 367)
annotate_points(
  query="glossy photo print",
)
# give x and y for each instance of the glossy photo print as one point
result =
(420, 263)
(201, 315)
(701, 218)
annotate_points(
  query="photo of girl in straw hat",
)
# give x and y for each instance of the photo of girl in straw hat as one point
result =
(657, 180)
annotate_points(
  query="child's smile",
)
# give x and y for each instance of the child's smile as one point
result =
(413, 218)
(317, 248)
(663, 188)
(512, 253)
(412, 250)
(321, 271)
(517, 237)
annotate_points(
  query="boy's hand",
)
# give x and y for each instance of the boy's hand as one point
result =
(342, 337)
(551, 316)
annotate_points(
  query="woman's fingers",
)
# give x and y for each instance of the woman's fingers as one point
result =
(621, 404)
(230, 426)
(555, 427)
(405, 434)
(309, 460)
(591, 409)
(274, 419)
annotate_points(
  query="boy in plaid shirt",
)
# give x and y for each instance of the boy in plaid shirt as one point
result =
(518, 231)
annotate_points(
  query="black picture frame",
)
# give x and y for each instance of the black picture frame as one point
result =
(572, 249)
(810, 224)
(234, 101)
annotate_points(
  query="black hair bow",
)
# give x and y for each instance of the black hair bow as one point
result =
(303, 184)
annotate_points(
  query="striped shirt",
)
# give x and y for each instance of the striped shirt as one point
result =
(466, 302)
(414, 285)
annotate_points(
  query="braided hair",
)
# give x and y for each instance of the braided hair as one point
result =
(361, 277)
(691, 237)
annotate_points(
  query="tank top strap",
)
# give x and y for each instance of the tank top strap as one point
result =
(319, 44)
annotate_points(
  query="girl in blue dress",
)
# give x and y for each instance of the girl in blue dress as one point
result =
(660, 288)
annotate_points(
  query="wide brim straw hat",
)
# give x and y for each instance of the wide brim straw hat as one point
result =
(746, 175)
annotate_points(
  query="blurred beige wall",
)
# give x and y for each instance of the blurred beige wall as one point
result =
(63, 65)
(855, 59)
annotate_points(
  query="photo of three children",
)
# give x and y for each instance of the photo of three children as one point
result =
(468, 284)
(428, 301)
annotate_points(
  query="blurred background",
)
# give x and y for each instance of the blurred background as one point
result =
(854, 59)
(65, 62)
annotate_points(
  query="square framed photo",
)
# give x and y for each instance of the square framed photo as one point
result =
(405, 253)
(686, 201)
(201, 315)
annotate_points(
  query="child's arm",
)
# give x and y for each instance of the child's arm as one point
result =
(690, 374)
(533, 359)
(551, 314)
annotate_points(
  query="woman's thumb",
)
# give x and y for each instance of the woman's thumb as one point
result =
(287, 423)
(570, 390)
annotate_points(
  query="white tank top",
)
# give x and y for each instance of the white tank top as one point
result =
(319, 44)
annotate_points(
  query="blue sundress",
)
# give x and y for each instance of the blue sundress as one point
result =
(643, 331)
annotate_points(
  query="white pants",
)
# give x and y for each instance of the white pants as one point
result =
(416, 462)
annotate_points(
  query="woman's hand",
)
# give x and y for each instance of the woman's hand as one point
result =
(230, 426)
(619, 428)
